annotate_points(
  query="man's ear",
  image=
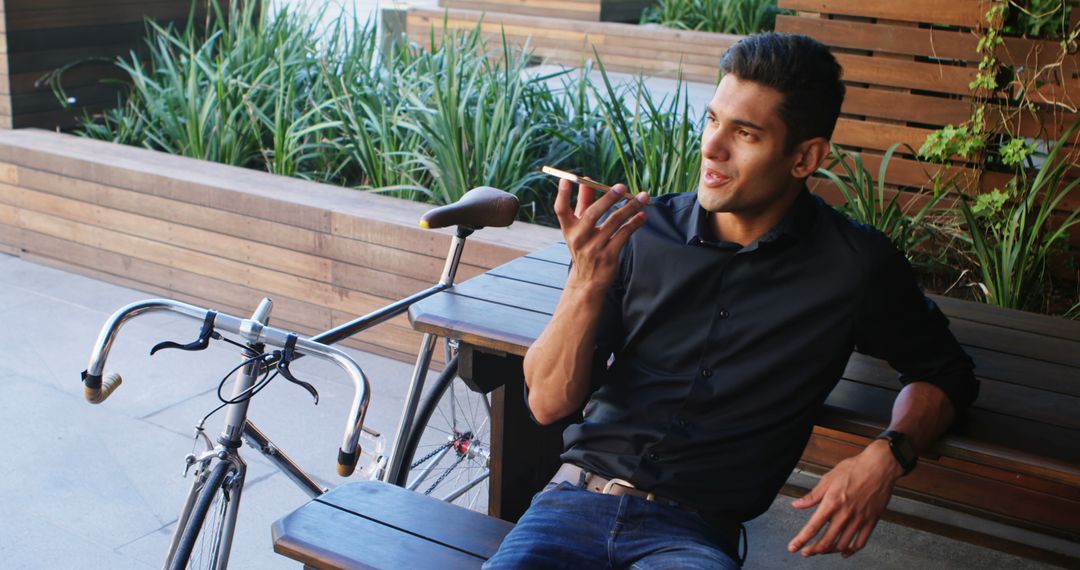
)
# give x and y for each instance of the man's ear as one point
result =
(809, 155)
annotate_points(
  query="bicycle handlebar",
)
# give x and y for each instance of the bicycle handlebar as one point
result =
(252, 331)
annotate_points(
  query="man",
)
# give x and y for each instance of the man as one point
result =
(706, 332)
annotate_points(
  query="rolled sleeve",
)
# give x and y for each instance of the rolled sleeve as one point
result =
(900, 325)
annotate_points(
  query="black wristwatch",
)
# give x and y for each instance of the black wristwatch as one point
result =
(902, 449)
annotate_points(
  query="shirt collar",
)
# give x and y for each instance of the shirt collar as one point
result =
(795, 224)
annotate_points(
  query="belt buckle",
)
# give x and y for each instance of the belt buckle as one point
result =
(624, 483)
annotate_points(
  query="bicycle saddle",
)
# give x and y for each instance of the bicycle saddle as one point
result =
(480, 207)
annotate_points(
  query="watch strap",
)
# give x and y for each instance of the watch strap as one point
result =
(902, 449)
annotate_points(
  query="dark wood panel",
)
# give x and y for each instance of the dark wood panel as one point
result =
(85, 15)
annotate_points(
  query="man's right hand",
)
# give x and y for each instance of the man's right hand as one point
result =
(595, 248)
(559, 363)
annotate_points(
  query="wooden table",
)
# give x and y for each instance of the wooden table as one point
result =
(496, 316)
(1015, 458)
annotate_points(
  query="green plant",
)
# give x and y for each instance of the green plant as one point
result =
(657, 143)
(869, 202)
(470, 111)
(1011, 234)
(743, 17)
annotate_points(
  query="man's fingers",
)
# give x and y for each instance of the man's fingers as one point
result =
(563, 210)
(810, 499)
(585, 197)
(844, 545)
(602, 204)
(827, 543)
(622, 233)
(864, 536)
(809, 530)
(620, 216)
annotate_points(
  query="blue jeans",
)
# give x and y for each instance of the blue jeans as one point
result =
(569, 527)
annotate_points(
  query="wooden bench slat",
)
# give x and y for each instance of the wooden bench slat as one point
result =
(436, 520)
(878, 37)
(867, 402)
(322, 536)
(1009, 318)
(529, 270)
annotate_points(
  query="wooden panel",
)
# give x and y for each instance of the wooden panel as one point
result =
(878, 37)
(966, 13)
(908, 74)
(924, 109)
(91, 15)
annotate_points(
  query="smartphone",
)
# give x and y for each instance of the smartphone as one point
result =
(575, 178)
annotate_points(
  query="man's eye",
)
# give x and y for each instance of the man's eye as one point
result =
(746, 135)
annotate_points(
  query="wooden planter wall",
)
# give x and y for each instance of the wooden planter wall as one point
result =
(224, 237)
(590, 10)
(38, 36)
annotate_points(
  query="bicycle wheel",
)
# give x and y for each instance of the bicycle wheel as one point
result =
(203, 543)
(448, 454)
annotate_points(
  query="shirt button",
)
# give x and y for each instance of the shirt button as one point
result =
(724, 313)
(654, 456)
(706, 372)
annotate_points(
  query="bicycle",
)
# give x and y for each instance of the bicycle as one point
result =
(204, 530)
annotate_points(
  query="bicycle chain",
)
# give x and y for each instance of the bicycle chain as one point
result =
(445, 474)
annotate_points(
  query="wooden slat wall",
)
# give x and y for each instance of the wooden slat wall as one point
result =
(907, 78)
(225, 237)
(37, 36)
(587, 10)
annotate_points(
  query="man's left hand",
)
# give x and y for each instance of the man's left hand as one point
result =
(850, 499)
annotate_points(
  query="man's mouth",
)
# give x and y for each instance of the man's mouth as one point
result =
(713, 178)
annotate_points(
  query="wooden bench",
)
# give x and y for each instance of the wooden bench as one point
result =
(1007, 476)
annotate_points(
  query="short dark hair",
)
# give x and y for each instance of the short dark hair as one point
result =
(804, 72)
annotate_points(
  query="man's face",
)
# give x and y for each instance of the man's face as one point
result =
(744, 168)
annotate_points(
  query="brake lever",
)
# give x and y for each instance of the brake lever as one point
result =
(200, 343)
(288, 354)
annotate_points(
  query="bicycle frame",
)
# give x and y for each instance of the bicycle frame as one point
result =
(238, 428)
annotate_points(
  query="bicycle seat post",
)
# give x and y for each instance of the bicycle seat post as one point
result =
(236, 414)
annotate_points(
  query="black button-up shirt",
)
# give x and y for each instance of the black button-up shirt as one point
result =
(714, 359)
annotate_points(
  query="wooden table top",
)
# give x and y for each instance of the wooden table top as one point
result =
(504, 309)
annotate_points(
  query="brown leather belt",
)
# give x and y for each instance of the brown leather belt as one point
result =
(732, 534)
(570, 473)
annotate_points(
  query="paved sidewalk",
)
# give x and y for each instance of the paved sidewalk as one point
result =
(99, 486)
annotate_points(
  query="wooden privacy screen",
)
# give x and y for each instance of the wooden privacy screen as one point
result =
(223, 236)
(591, 10)
(37, 36)
(907, 76)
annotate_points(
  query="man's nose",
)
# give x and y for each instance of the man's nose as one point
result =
(713, 146)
